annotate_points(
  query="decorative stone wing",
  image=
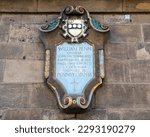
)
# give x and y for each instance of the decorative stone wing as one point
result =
(51, 26)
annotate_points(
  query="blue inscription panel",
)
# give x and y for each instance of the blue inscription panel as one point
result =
(74, 66)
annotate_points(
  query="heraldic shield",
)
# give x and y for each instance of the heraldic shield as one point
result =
(74, 58)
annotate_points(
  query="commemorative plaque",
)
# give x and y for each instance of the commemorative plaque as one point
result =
(74, 58)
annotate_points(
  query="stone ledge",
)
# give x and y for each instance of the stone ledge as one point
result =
(40, 6)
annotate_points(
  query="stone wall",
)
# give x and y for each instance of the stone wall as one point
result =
(125, 93)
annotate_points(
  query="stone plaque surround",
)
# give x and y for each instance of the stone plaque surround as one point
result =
(74, 62)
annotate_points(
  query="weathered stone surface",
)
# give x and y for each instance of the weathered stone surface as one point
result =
(140, 18)
(125, 93)
(136, 5)
(33, 51)
(40, 96)
(116, 19)
(11, 19)
(55, 115)
(99, 6)
(10, 50)
(95, 114)
(35, 114)
(27, 96)
(120, 51)
(115, 96)
(11, 96)
(125, 33)
(116, 71)
(16, 114)
(23, 71)
(2, 67)
(28, 51)
(146, 31)
(139, 71)
(24, 33)
(33, 19)
(143, 51)
(18, 6)
(58, 5)
(113, 115)
(1, 114)
(4, 32)
(136, 115)
(142, 95)
(23, 19)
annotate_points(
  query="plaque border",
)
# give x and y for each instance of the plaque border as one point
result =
(53, 34)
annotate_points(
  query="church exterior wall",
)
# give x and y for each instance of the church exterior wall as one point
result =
(125, 93)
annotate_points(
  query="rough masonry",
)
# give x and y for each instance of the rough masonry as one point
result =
(126, 90)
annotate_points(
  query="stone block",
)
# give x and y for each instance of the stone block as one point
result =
(33, 51)
(140, 18)
(139, 71)
(24, 33)
(58, 5)
(28, 51)
(4, 33)
(146, 31)
(16, 114)
(120, 51)
(113, 115)
(18, 6)
(116, 71)
(35, 114)
(143, 51)
(2, 67)
(125, 33)
(99, 6)
(33, 19)
(136, 6)
(136, 115)
(115, 96)
(51, 114)
(142, 95)
(94, 114)
(40, 96)
(27, 71)
(116, 19)
(11, 19)
(1, 114)
(11, 96)
(11, 51)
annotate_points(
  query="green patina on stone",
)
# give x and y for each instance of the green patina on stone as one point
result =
(96, 24)
(53, 24)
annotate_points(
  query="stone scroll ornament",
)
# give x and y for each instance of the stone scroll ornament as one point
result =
(74, 57)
